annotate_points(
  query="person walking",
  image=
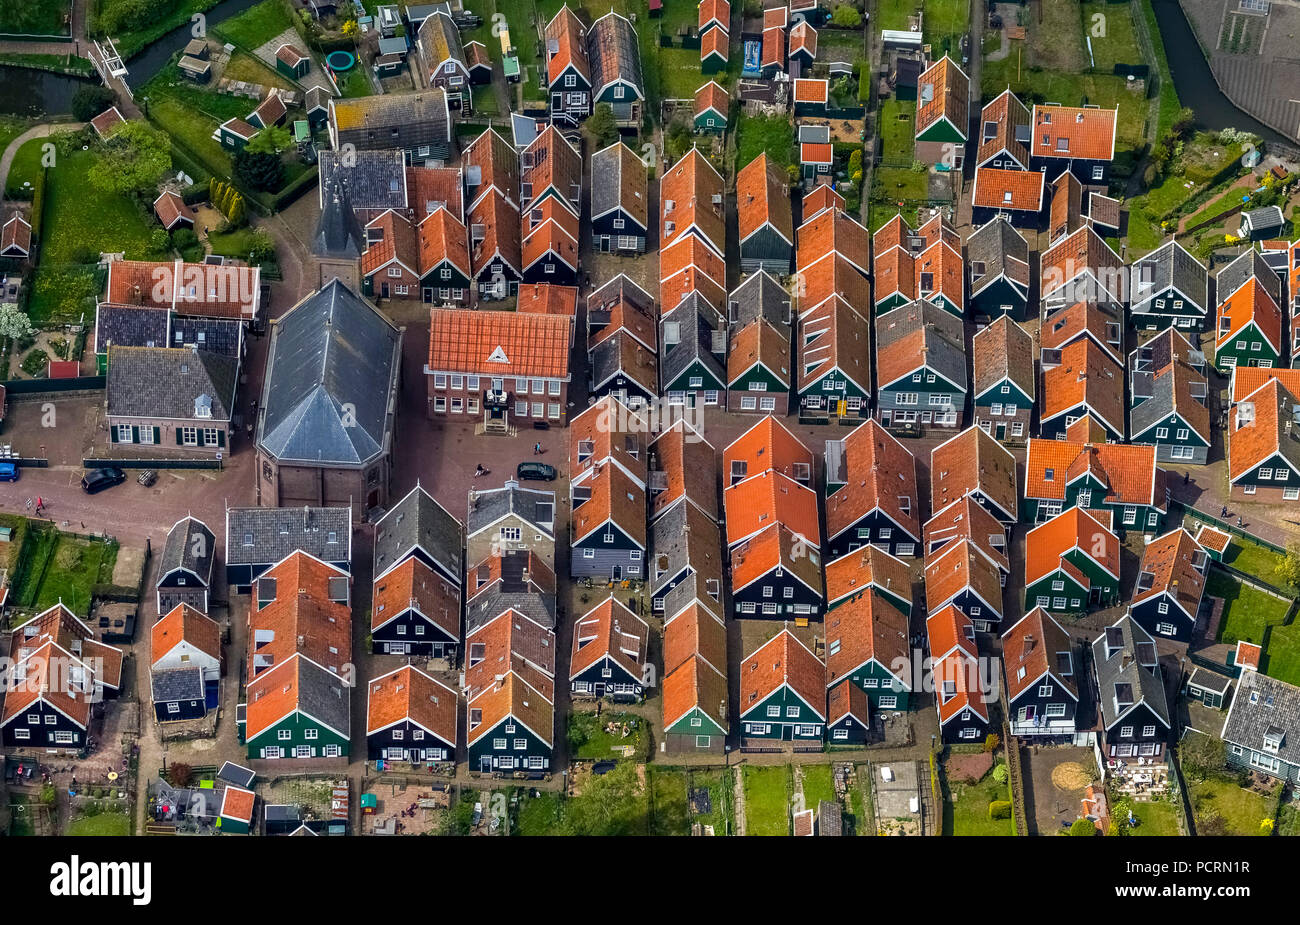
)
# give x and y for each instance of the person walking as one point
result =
(537, 449)
(1224, 512)
(40, 503)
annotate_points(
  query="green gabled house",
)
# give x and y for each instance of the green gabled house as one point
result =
(295, 710)
(1251, 329)
(921, 368)
(783, 692)
(234, 134)
(942, 114)
(509, 727)
(1071, 564)
(692, 342)
(867, 642)
(1119, 479)
(869, 567)
(834, 362)
(695, 696)
(712, 107)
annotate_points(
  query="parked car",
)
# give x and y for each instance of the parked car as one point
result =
(535, 472)
(96, 480)
(8, 472)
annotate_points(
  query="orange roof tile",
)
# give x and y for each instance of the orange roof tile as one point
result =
(610, 630)
(1073, 528)
(695, 684)
(443, 238)
(867, 567)
(773, 548)
(566, 34)
(773, 48)
(712, 96)
(812, 90)
(615, 499)
(973, 461)
(1261, 427)
(1077, 132)
(940, 271)
(715, 42)
(998, 123)
(301, 619)
(409, 694)
(694, 632)
(607, 431)
(768, 444)
(1082, 252)
(834, 337)
(822, 196)
(758, 342)
(783, 661)
(549, 230)
(861, 629)
(895, 272)
(763, 198)
(1128, 471)
(1170, 561)
(803, 37)
(966, 519)
(943, 91)
(690, 196)
(1034, 646)
(957, 567)
(413, 585)
(547, 299)
(1018, 190)
(1003, 352)
(1246, 380)
(499, 343)
(767, 498)
(833, 232)
(184, 623)
(1251, 302)
(880, 474)
(689, 469)
(1087, 376)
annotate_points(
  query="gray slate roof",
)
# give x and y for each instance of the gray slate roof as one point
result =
(186, 537)
(1265, 705)
(696, 342)
(129, 326)
(217, 335)
(1126, 666)
(945, 350)
(278, 531)
(177, 684)
(1234, 276)
(759, 296)
(614, 54)
(1159, 405)
(330, 381)
(1002, 249)
(699, 548)
(1171, 265)
(166, 382)
(607, 184)
(488, 507)
(419, 521)
(492, 602)
(323, 696)
(338, 233)
(376, 180)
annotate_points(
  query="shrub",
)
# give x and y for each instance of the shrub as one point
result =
(1266, 827)
(34, 364)
(1000, 773)
(90, 100)
(992, 742)
(1000, 809)
(1083, 828)
(181, 774)
(846, 17)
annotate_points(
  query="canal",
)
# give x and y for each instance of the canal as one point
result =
(29, 92)
(154, 58)
(1193, 80)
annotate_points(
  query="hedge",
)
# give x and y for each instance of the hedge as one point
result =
(38, 203)
(1000, 809)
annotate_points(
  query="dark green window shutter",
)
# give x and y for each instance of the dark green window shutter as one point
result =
(221, 438)
(112, 433)
(135, 434)
(157, 435)
(180, 441)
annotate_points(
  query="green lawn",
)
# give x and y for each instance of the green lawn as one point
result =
(670, 810)
(102, 824)
(64, 294)
(773, 134)
(246, 67)
(10, 552)
(194, 129)
(589, 740)
(945, 22)
(34, 17)
(64, 568)
(355, 83)
(894, 14)
(538, 815)
(818, 785)
(966, 808)
(1246, 611)
(257, 25)
(1203, 158)
(767, 800)
(1253, 559)
(1117, 44)
(1242, 811)
(1156, 818)
(897, 130)
(26, 165)
(80, 217)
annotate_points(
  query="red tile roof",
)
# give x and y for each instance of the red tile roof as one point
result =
(833, 232)
(499, 343)
(966, 519)
(407, 693)
(1004, 114)
(715, 42)
(184, 623)
(1082, 252)
(775, 548)
(547, 299)
(803, 37)
(1073, 132)
(1035, 645)
(943, 91)
(773, 48)
(768, 444)
(1252, 302)
(1258, 427)
(783, 661)
(1003, 351)
(687, 462)
(957, 567)
(171, 209)
(1128, 471)
(1171, 562)
(1246, 380)
(812, 90)
(566, 33)
(822, 196)
(1013, 190)
(1087, 376)
(867, 567)
(763, 198)
(834, 337)
(861, 629)
(690, 195)
(881, 475)
(413, 585)
(302, 618)
(610, 630)
(768, 498)
(1073, 528)
(712, 96)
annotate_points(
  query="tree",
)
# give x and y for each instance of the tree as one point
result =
(261, 246)
(133, 161)
(602, 126)
(259, 169)
(1288, 570)
(611, 804)
(90, 100)
(1083, 828)
(992, 741)
(14, 325)
(181, 774)
(351, 29)
(271, 140)
(236, 214)
(846, 17)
